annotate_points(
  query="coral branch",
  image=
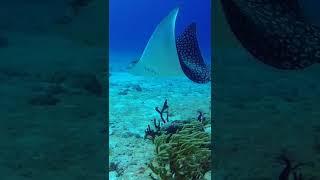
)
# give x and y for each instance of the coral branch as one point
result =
(155, 124)
(201, 117)
(165, 109)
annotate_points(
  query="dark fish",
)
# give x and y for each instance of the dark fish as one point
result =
(274, 31)
(190, 57)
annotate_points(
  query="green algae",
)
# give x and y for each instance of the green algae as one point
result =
(183, 155)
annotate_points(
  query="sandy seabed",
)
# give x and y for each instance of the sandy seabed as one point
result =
(132, 103)
(260, 113)
(51, 126)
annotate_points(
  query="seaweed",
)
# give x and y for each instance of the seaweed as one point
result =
(183, 148)
(183, 155)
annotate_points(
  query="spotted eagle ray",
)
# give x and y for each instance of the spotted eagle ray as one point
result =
(190, 57)
(166, 56)
(274, 32)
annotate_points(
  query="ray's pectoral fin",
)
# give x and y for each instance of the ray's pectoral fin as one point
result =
(159, 58)
(190, 57)
(275, 32)
(166, 56)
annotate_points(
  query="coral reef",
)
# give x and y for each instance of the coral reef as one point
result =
(183, 148)
(183, 155)
(170, 127)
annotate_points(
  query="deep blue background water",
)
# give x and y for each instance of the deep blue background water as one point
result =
(133, 22)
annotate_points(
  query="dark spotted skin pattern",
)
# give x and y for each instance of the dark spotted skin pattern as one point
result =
(190, 57)
(274, 32)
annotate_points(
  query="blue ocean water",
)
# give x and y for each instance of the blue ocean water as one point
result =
(133, 22)
(133, 98)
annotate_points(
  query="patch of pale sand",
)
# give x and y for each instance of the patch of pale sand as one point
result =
(131, 154)
(137, 107)
(50, 140)
(43, 142)
(131, 113)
